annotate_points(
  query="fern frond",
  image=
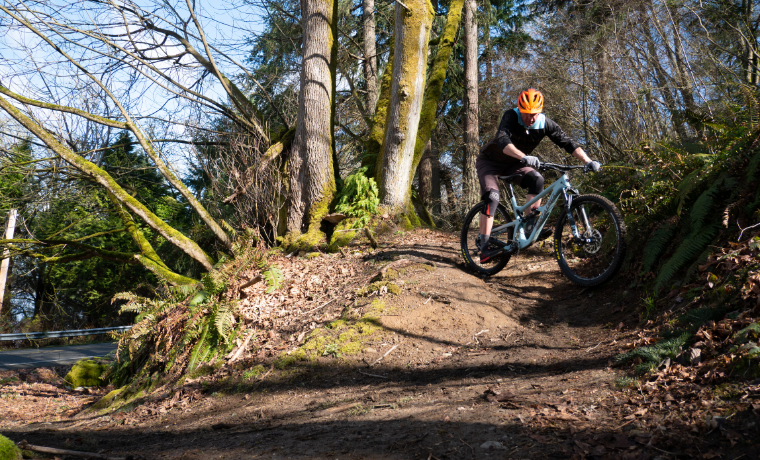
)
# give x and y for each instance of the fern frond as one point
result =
(657, 243)
(687, 252)
(200, 348)
(704, 206)
(274, 278)
(224, 318)
(688, 185)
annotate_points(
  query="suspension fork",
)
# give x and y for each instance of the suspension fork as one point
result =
(576, 234)
(570, 219)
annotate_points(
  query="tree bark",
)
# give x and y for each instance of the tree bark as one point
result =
(370, 58)
(312, 179)
(5, 266)
(373, 156)
(425, 172)
(601, 60)
(469, 176)
(428, 115)
(412, 33)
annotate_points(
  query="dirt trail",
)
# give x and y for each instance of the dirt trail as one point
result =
(515, 366)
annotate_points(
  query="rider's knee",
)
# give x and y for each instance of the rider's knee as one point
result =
(491, 197)
(533, 181)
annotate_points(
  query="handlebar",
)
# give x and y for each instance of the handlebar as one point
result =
(558, 167)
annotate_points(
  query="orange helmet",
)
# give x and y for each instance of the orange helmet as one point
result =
(531, 101)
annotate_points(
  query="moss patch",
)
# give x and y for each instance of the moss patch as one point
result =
(394, 274)
(367, 290)
(342, 337)
(106, 400)
(86, 373)
(8, 450)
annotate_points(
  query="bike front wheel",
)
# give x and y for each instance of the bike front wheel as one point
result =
(598, 256)
(470, 240)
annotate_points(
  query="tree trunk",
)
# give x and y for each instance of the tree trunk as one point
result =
(373, 157)
(425, 172)
(601, 60)
(448, 184)
(370, 58)
(428, 116)
(312, 180)
(412, 33)
(435, 181)
(469, 176)
(5, 267)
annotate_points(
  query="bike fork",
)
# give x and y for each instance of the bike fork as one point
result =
(576, 234)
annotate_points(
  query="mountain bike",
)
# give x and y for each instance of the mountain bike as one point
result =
(589, 238)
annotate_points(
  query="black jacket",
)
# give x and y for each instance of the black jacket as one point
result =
(512, 131)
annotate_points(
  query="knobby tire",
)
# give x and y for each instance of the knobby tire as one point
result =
(592, 264)
(469, 234)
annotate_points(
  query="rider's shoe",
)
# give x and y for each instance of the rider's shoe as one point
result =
(489, 253)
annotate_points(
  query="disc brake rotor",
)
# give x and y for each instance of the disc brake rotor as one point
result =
(596, 242)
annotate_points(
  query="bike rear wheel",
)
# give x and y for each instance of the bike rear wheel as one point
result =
(590, 264)
(470, 238)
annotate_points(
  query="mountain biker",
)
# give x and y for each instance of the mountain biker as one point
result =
(520, 131)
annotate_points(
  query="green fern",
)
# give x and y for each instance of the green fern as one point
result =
(653, 355)
(688, 251)
(200, 348)
(359, 198)
(694, 267)
(274, 278)
(657, 244)
(689, 183)
(224, 318)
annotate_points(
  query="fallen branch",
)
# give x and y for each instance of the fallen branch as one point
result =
(237, 353)
(745, 228)
(252, 282)
(386, 354)
(371, 238)
(317, 308)
(23, 445)
(372, 375)
(592, 348)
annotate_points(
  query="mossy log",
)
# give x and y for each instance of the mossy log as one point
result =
(102, 178)
(8, 450)
(146, 145)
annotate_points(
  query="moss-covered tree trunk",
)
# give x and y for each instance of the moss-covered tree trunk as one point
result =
(312, 179)
(470, 186)
(412, 31)
(428, 119)
(373, 158)
(102, 178)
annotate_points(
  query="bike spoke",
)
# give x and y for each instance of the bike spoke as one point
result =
(598, 255)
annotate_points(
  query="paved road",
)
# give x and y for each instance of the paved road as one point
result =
(51, 356)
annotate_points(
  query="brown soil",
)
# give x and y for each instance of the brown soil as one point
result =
(514, 366)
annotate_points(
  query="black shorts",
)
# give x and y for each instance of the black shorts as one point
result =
(489, 172)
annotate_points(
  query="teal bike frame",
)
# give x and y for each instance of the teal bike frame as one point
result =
(560, 187)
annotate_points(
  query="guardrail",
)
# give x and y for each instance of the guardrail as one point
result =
(59, 334)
